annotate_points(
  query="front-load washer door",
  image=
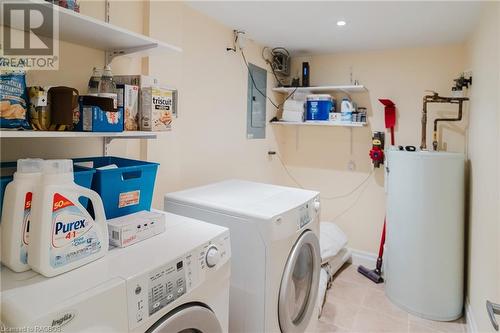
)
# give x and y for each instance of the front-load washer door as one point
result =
(189, 318)
(299, 285)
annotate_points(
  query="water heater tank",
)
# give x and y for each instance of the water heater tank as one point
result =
(424, 258)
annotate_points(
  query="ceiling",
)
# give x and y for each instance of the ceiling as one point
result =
(310, 26)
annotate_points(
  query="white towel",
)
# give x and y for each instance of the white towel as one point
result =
(331, 240)
(323, 286)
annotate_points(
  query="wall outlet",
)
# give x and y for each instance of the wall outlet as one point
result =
(351, 165)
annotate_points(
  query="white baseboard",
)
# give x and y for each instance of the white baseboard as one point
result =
(364, 258)
(469, 318)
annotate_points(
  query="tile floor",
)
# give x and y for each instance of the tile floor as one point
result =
(355, 304)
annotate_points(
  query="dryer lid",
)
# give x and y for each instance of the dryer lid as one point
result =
(244, 198)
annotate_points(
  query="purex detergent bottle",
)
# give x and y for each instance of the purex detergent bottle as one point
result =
(63, 235)
(16, 214)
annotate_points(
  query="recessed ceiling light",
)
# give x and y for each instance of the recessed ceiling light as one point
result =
(341, 23)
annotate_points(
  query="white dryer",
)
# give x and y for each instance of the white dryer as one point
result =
(275, 250)
(174, 282)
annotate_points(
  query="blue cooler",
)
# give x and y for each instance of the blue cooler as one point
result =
(319, 107)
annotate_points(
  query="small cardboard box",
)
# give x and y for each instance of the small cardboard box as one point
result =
(128, 99)
(130, 229)
(136, 80)
(93, 118)
(157, 106)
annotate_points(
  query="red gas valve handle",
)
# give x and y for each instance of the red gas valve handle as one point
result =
(377, 156)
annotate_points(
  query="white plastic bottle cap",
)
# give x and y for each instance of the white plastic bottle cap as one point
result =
(29, 165)
(57, 167)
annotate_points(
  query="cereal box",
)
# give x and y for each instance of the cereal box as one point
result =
(128, 99)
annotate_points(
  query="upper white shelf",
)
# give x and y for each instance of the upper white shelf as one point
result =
(319, 123)
(93, 33)
(4, 134)
(321, 89)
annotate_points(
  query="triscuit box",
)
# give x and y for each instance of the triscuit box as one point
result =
(128, 99)
(157, 106)
(130, 229)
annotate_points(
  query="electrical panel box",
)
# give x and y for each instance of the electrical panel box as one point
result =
(256, 104)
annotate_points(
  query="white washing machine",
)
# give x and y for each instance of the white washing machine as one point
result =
(174, 282)
(275, 250)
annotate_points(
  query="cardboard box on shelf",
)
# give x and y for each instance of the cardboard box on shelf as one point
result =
(128, 99)
(157, 108)
(141, 81)
(98, 115)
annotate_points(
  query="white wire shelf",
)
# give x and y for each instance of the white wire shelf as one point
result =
(322, 89)
(12, 134)
(319, 123)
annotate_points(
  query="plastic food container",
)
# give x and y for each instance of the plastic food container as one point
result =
(125, 186)
(82, 176)
(319, 107)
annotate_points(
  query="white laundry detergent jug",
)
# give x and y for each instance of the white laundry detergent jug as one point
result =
(63, 235)
(16, 214)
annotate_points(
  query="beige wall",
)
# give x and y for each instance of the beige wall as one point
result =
(483, 230)
(319, 158)
(208, 142)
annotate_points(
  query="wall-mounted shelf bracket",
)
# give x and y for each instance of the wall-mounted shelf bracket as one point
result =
(106, 140)
(105, 145)
(111, 54)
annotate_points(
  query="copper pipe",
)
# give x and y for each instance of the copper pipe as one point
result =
(458, 118)
(435, 98)
(423, 144)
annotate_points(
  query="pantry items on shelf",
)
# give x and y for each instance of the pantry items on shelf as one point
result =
(347, 107)
(128, 100)
(98, 114)
(142, 81)
(13, 100)
(93, 86)
(293, 111)
(359, 116)
(335, 116)
(156, 109)
(63, 107)
(134, 228)
(318, 106)
(16, 214)
(107, 86)
(139, 103)
(38, 110)
(63, 235)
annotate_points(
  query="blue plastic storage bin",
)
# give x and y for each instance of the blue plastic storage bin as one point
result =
(82, 176)
(126, 189)
(319, 107)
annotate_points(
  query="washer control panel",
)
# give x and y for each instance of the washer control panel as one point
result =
(149, 294)
(166, 284)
